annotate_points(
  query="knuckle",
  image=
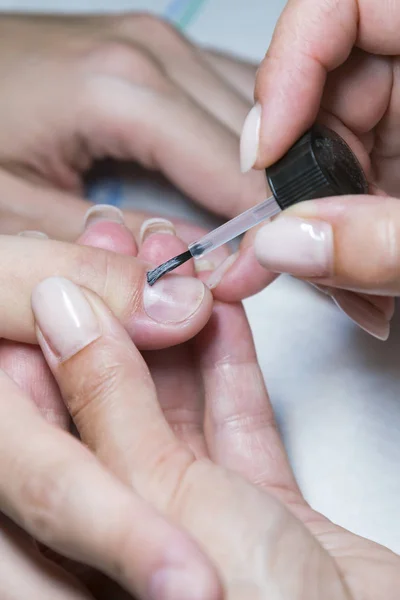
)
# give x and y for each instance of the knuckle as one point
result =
(119, 58)
(96, 386)
(117, 279)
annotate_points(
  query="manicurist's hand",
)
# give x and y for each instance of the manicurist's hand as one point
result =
(336, 62)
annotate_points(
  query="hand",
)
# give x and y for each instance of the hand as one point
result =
(26, 366)
(336, 62)
(127, 87)
(261, 534)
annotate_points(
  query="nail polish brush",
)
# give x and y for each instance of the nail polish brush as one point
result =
(318, 165)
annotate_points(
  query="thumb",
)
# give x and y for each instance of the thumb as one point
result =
(349, 242)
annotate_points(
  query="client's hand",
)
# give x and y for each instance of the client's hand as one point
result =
(128, 87)
(234, 491)
(263, 537)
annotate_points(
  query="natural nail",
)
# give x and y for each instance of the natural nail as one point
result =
(33, 234)
(103, 212)
(64, 316)
(292, 245)
(363, 313)
(155, 226)
(201, 266)
(173, 299)
(250, 139)
(216, 277)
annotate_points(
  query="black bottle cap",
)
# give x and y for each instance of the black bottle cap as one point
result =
(319, 164)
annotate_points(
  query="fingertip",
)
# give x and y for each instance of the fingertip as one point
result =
(244, 278)
(104, 227)
(110, 236)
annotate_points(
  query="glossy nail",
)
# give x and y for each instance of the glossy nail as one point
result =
(363, 313)
(216, 277)
(360, 310)
(64, 316)
(292, 245)
(250, 139)
(33, 234)
(155, 225)
(103, 212)
(173, 299)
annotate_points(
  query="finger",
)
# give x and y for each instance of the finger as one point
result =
(60, 214)
(26, 365)
(165, 131)
(320, 44)
(169, 313)
(348, 242)
(240, 427)
(174, 371)
(104, 227)
(240, 275)
(241, 74)
(25, 573)
(186, 67)
(57, 492)
(96, 374)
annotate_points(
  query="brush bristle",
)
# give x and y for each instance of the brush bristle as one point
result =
(167, 267)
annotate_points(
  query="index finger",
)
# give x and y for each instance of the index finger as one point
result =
(311, 39)
(156, 317)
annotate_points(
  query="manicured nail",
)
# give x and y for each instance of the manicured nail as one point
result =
(250, 139)
(363, 313)
(173, 299)
(216, 277)
(64, 316)
(34, 234)
(155, 226)
(103, 212)
(292, 245)
(179, 584)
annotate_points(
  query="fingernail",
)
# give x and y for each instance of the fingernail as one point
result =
(363, 313)
(250, 139)
(292, 245)
(173, 299)
(103, 212)
(155, 226)
(216, 277)
(178, 584)
(202, 266)
(64, 316)
(33, 234)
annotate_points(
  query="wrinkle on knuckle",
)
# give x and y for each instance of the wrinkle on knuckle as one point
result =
(116, 279)
(98, 386)
(167, 472)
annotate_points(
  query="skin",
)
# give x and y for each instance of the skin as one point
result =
(214, 464)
